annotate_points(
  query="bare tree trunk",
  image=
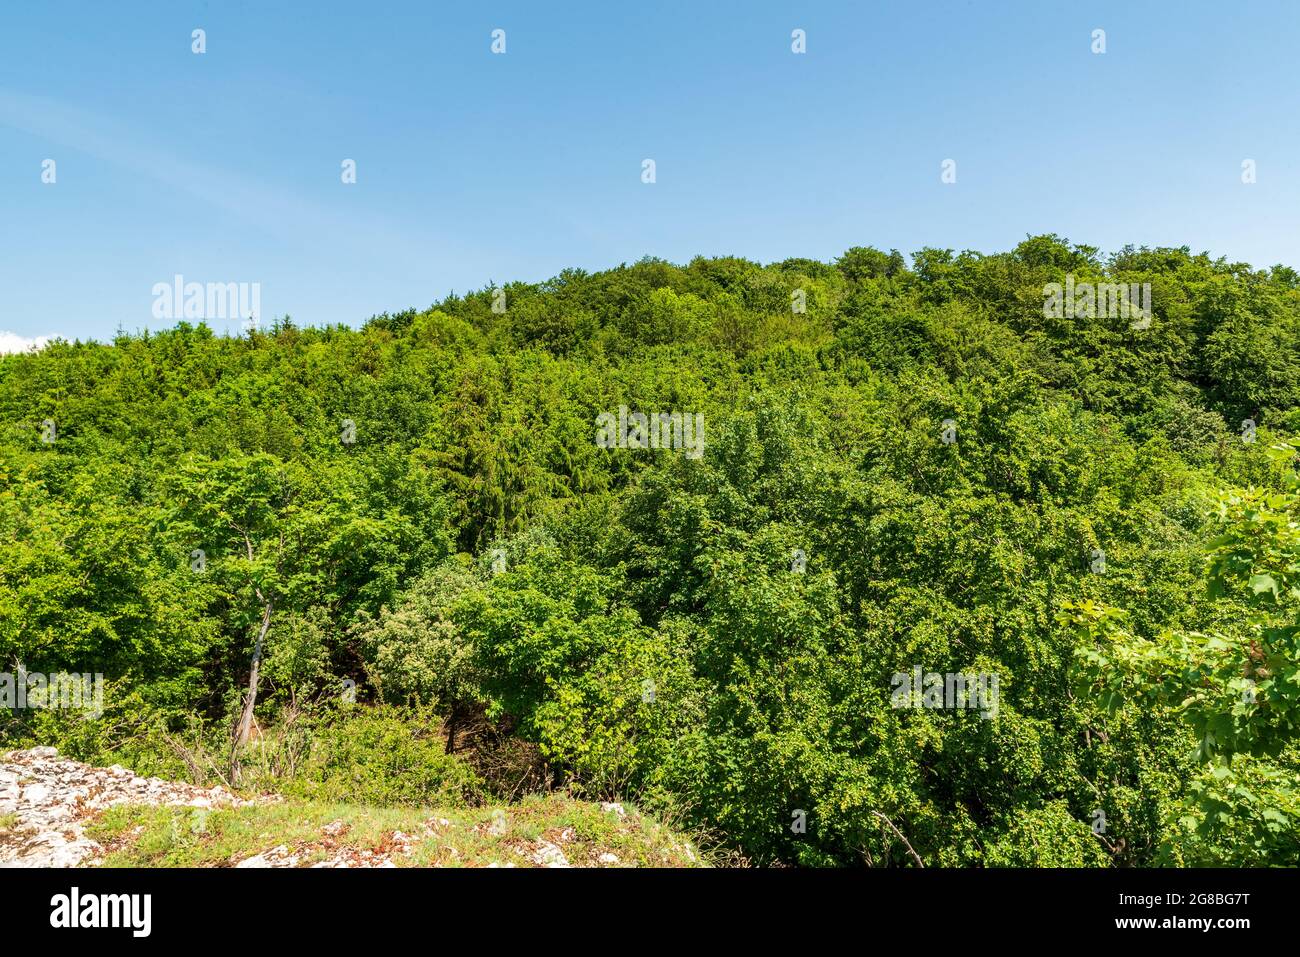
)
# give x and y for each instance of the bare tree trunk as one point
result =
(451, 730)
(915, 856)
(246, 719)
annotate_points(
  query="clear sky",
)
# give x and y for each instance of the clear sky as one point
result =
(474, 167)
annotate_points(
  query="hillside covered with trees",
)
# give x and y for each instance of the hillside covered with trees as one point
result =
(396, 564)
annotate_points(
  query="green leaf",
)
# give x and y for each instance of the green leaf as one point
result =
(1262, 583)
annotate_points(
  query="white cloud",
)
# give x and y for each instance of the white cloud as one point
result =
(11, 342)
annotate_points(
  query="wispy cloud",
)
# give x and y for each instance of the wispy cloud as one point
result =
(363, 235)
(271, 208)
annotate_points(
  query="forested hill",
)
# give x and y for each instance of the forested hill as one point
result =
(472, 581)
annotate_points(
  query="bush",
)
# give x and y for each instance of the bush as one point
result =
(387, 758)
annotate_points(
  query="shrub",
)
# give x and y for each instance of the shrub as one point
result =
(385, 757)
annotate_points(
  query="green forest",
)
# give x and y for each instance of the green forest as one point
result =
(401, 564)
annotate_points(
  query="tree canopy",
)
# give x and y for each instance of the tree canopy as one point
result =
(905, 465)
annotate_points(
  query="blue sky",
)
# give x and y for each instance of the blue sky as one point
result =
(474, 167)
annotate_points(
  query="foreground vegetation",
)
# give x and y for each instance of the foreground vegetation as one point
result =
(465, 599)
(553, 830)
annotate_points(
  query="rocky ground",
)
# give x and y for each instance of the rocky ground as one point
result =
(52, 809)
(46, 800)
